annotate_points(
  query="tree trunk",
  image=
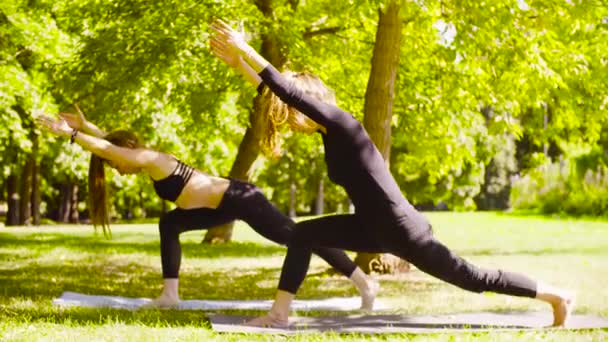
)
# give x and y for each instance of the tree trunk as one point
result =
(35, 182)
(319, 207)
(292, 199)
(142, 205)
(381, 263)
(12, 196)
(25, 192)
(378, 111)
(249, 147)
(73, 212)
(63, 213)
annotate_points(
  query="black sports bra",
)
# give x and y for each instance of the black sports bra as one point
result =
(170, 187)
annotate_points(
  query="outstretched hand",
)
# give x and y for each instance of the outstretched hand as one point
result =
(76, 121)
(227, 43)
(56, 126)
(225, 53)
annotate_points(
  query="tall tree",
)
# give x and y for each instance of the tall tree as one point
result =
(378, 111)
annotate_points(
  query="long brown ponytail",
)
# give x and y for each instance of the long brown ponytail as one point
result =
(98, 194)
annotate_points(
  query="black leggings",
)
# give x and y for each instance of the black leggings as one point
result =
(246, 202)
(408, 238)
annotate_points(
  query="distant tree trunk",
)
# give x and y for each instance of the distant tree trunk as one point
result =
(378, 111)
(63, 213)
(73, 213)
(319, 207)
(292, 199)
(249, 147)
(496, 187)
(35, 182)
(545, 126)
(25, 191)
(12, 196)
(142, 205)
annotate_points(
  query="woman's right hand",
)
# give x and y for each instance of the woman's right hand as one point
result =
(227, 55)
(229, 40)
(76, 121)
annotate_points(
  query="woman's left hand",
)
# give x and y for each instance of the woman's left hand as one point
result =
(56, 126)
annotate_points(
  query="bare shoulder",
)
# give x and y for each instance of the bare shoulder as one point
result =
(158, 164)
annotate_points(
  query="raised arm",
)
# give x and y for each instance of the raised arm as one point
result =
(228, 42)
(137, 157)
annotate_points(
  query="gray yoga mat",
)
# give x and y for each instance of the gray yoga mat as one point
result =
(116, 302)
(478, 321)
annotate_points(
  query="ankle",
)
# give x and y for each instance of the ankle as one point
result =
(169, 296)
(170, 288)
(362, 281)
(279, 318)
(551, 294)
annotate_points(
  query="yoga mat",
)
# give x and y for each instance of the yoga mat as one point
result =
(329, 304)
(375, 324)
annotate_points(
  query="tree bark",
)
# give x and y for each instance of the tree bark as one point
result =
(63, 212)
(35, 182)
(292, 199)
(73, 211)
(319, 205)
(142, 205)
(12, 196)
(378, 111)
(25, 192)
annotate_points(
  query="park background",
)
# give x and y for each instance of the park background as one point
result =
(496, 106)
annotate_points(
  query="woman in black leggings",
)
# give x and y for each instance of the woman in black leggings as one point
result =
(384, 221)
(203, 201)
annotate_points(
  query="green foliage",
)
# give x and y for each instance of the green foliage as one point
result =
(30, 43)
(145, 66)
(566, 186)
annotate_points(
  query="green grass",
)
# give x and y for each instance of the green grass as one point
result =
(38, 264)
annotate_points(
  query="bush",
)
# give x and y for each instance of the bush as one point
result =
(563, 187)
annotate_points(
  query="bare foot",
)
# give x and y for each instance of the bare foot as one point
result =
(368, 297)
(162, 302)
(268, 321)
(562, 309)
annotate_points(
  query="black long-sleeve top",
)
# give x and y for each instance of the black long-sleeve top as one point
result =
(353, 161)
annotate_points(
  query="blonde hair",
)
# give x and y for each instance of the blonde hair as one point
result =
(270, 113)
(98, 199)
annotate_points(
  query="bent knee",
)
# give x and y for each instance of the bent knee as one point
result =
(298, 238)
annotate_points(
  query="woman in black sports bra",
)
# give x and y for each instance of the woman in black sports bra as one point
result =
(203, 201)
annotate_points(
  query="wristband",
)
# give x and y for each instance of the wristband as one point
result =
(73, 136)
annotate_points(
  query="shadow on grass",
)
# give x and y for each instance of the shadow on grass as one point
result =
(99, 246)
(43, 283)
(129, 279)
(47, 242)
(91, 316)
